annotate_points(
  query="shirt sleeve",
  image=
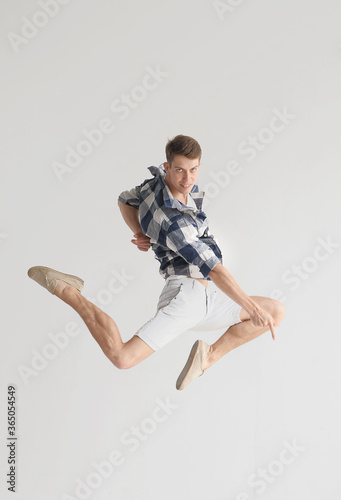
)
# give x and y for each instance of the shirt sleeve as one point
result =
(182, 238)
(131, 197)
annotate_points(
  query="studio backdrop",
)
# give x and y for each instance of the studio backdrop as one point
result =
(91, 93)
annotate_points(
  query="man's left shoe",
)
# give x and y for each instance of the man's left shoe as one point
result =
(193, 367)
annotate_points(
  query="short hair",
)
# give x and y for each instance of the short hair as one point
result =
(182, 145)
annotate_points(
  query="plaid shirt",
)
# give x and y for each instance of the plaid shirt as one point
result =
(179, 234)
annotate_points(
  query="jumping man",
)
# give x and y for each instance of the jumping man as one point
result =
(165, 213)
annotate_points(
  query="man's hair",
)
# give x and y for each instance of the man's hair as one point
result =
(182, 145)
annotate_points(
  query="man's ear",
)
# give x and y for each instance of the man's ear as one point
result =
(166, 166)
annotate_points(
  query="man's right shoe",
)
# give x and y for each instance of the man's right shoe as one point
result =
(47, 278)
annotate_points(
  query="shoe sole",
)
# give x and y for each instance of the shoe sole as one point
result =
(187, 366)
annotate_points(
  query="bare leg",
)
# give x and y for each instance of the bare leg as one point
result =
(243, 332)
(104, 329)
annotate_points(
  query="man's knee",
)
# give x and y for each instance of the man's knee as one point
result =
(129, 354)
(121, 360)
(272, 306)
(278, 310)
(124, 364)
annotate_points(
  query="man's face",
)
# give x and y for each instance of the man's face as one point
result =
(181, 175)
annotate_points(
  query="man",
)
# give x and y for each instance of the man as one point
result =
(165, 213)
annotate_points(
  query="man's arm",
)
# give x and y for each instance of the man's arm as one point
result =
(131, 218)
(223, 279)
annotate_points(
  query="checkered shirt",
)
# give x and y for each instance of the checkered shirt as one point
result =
(179, 235)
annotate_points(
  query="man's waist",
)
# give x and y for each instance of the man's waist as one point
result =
(203, 281)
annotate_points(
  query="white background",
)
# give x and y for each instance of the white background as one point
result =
(225, 71)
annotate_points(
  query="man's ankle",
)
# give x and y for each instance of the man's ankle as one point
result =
(210, 359)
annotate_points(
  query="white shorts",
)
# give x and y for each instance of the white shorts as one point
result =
(185, 304)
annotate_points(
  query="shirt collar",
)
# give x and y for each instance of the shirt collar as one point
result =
(169, 199)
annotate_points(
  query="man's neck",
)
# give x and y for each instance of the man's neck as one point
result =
(179, 196)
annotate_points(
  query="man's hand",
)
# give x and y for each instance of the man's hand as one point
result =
(142, 242)
(259, 317)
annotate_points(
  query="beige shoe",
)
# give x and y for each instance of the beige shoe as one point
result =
(193, 367)
(47, 278)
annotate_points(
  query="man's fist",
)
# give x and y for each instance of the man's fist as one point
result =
(142, 242)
